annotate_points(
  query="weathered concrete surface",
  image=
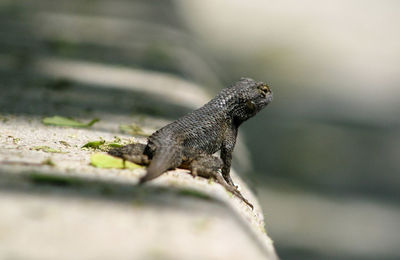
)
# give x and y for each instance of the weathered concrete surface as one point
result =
(72, 209)
(100, 213)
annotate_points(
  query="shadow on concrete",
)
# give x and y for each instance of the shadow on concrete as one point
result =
(35, 182)
(41, 96)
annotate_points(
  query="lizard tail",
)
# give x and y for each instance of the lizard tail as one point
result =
(164, 159)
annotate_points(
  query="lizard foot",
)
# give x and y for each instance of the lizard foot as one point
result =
(209, 167)
(232, 189)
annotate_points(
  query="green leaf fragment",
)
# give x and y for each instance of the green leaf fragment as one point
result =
(65, 143)
(115, 145)
(64, 121)
(101, 160)
(102, 145)
(94, 144)
(95, 120)
(47, 149)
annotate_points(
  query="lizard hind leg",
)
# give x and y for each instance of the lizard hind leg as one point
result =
(132, 152)
(209, 166)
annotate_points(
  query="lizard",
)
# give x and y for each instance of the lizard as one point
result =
(190, 141)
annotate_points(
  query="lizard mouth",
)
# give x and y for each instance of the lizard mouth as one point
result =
(268, 97)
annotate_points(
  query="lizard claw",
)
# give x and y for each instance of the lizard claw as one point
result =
(194, 172)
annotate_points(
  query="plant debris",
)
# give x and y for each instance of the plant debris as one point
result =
(64, 121)
(47, 149)
(133, 129)
(94, 144)
(101, 160)
(65, 143)
(103, 145)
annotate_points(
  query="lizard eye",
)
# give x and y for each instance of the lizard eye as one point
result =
(264, 90)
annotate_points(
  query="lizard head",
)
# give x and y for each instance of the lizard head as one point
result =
(252, 97)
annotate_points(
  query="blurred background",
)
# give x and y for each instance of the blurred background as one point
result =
(325, 153)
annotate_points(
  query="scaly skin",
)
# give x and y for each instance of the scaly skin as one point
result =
(190, 141)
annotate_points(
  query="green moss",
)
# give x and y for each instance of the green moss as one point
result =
(106, 190)
(194, 193)
(61, 46)
(58, 84)
(3, 119)
(49, 162)
(56, 180)
(263, 229)
(64, 121)
(137, 203)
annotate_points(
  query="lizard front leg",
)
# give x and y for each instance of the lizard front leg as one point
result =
(227, 147)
